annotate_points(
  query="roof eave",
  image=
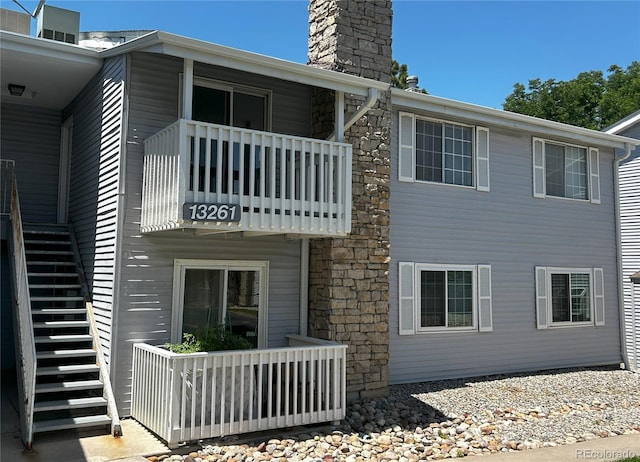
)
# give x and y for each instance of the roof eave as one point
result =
(623, 124)
(210, 53)
(29, 45)
(500, 118)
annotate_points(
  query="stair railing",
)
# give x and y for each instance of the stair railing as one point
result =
(112, 409)
(26, 350)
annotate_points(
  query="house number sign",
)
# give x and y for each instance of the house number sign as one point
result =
(200, 211)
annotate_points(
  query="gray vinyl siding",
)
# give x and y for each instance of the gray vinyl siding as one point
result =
(630, 235)
(513, 232)
(31, 137)
(95, 184)
(290, 102)
(146, 269)
(7, 348)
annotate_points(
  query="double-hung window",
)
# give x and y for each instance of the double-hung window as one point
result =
(211, 293)
(569, 297)
(438, 151)
(562, 170)
(444, 298)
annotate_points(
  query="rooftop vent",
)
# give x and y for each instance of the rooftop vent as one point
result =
(412, 83)
(58, 24)
(14, 21)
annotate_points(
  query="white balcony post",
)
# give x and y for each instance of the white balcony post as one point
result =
(187, 89)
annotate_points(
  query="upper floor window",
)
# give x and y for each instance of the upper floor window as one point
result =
(563, 170)
(226, 104)
(443, 152)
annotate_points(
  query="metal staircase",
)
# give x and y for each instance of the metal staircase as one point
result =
(70, 386)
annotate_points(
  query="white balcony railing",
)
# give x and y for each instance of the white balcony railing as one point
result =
(277, 183)
(187, 397)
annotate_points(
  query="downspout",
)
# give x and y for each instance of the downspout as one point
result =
(372, 99)
(616, 180)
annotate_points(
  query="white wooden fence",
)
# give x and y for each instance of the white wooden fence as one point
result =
(282, 183)
(186, 397)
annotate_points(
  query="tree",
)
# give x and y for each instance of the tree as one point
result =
(399, 74)
(590, 100)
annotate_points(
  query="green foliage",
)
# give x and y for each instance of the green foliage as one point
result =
(216, 338)
(399, 74)
(590, 100)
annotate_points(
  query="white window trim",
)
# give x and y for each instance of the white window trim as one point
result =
(479, 159)
(409, 298)
(545, 301)
(540, 173)
(430, 267)
(181, 265)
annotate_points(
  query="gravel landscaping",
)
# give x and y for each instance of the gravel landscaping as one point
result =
(455, 418)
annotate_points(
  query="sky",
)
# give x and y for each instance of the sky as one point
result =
(471, 51)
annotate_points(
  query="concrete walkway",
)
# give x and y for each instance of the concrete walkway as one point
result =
(602, 449)
(71, 445)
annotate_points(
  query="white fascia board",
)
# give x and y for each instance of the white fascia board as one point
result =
(623, 124)
(218, 55)
(27, 45)
(498, 118)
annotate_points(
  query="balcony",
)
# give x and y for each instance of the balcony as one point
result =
(188, 397)
(221, 179)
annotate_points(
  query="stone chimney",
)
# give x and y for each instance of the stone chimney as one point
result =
(348, 283)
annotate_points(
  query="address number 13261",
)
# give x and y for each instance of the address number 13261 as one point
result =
(198, 211)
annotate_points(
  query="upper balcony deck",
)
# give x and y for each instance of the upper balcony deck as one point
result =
(217, 178)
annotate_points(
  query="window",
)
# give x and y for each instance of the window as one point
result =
(444, 298)
(443, 152)
(567, 171)
(569, 297)
(214, 293)
(226, 104)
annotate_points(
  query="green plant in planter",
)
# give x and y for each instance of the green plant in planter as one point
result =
(216, 338)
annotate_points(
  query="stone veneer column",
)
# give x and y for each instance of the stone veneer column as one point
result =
(348, 282)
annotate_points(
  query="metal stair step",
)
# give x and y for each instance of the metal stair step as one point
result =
(74, 422)
(50, 262)
(59, 324)
(39, 228)
(73, 403)
(49, 275)
(47, 241)
(68, 369)
(68, 386)
(48, 252)
(53, 298)
(63, 338)
(58, 354)
(52, 311)
(54, 286)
